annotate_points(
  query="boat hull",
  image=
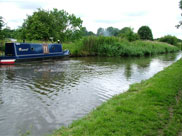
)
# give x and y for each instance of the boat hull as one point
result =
(27, 58)
(17, 52)
(7, 61)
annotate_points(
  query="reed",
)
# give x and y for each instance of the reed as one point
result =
(114, 46)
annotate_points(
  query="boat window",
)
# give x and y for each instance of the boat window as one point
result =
(32, 49)
(53, 47)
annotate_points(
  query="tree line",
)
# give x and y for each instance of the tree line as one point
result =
(46, 25)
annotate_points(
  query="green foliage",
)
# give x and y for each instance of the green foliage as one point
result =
(113, 46)
(100, 31)
(8, 33)
(145, 33)
(2, 46)
(86, 33)
(1, 25)
(93, 45)
(152, 107)
(56, 23)
(110, 31)
(169, 39)
(180, 6)
(38, 25)
(127, 33)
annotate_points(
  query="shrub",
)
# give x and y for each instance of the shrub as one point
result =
(169, 39)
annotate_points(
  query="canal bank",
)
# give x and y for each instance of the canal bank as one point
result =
(40, 97)
(152, 107)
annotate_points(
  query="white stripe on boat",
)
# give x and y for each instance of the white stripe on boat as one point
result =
(8, 60)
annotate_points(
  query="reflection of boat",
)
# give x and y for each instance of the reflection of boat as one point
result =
(15, 52)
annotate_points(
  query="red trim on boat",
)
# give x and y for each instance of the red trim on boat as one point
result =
(7, 61)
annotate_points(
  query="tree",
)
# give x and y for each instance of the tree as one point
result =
(86, 33)
(38, 26)
(90, 33)
(56, 23)
(145, 33)
(128, 33)
(180, 6)
(125, 30)
(8, 33)
(1, 25)
(112, 31)
(66, 26)
(100, 31)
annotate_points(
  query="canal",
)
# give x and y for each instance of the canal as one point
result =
(39, 97)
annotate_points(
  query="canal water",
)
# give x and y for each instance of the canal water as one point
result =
(39, 97)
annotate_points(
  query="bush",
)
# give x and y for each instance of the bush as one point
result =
(169, 39)
(127, 33)
(145, 33)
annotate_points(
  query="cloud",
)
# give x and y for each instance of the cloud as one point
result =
(107, 21)
(30, 5)
(160, 15)
(137, 14)
(22, 4)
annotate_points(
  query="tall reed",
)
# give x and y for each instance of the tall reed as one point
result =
(114, 46)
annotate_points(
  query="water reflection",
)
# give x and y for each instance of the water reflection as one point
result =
(42, 96)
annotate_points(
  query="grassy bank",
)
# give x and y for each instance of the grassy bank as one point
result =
(114, 46)
(152, 107)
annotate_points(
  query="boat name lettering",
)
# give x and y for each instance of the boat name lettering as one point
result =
(20, 49)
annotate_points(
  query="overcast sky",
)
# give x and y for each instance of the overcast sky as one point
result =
(160, 15)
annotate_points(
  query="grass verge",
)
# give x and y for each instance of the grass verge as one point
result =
(152, 107)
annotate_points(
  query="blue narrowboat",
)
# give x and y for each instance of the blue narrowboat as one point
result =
(15, 52)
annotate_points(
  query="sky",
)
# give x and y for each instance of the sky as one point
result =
(160, 15)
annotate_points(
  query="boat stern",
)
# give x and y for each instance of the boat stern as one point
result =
(7, 61)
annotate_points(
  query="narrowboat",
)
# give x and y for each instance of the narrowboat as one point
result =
(17, 52)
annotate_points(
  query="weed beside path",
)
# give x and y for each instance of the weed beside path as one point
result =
(152, 107)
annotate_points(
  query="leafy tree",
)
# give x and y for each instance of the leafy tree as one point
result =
(180, 6)
(128, 33)
(90, 33)
(8, 33)
(112, 31)
(169, 39)
(1, 25)
(66, 26)
(58, 24)
(86, 33)
(100, 31)
(125, 30)
(145, 33)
